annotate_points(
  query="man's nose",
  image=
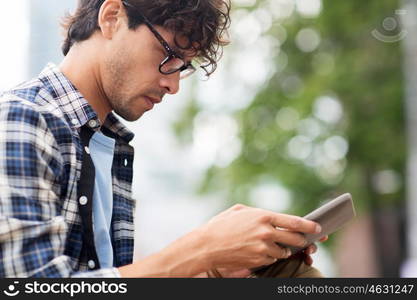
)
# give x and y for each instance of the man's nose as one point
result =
(171, 83)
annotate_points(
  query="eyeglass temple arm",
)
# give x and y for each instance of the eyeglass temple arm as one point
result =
(150, 26)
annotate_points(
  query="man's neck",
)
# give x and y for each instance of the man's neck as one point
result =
(80, 66)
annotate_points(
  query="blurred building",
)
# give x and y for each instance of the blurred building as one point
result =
(45, 32)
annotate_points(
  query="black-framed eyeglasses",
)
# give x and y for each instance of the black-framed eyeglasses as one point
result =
(173, 62)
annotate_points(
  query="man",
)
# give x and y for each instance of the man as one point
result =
(66, 163)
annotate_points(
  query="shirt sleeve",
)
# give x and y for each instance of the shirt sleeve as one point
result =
(32, 230)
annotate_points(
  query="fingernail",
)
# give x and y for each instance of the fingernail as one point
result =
(318, 228)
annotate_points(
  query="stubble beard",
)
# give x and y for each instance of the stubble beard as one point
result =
(116, 91)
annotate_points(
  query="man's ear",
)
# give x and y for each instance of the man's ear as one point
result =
(111, 17)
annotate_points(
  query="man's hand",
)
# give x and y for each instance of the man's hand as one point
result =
(311, 250)
(244, 237)
(243, 273)
(239, 238)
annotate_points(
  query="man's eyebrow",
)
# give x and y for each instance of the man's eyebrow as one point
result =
(181, 52)
(178, 50)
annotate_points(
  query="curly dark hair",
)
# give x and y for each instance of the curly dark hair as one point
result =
(203, 22)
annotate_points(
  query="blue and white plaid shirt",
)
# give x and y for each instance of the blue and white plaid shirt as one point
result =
(40, 164)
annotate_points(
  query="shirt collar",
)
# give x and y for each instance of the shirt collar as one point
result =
(75, 107)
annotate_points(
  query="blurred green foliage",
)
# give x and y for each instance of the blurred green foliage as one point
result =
(350, 67)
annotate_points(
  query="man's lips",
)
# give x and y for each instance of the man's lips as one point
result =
(152, 101)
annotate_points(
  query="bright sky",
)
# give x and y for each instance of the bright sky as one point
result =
(14, 34)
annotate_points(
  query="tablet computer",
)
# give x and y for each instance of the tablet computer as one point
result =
(331, 216)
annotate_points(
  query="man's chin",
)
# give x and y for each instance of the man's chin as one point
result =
(130, 116)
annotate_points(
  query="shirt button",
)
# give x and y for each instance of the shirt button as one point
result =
(83, 200)
(126, 162)
(92, 123)
(87, 150)
(91, 264)
(74, 122)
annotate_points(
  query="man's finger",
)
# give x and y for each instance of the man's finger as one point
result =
(289, 238)
(278, 252)
(311, 249)
(323, 239)
(308, 260)
(295, 223)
